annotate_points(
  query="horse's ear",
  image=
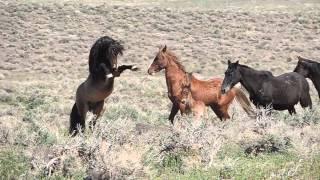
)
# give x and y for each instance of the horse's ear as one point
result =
(229, 62)
(300, 58)
(164, 49)
(237, 62)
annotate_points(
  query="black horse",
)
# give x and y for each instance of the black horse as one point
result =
(309, 69)
(99, 84)
(282, 92)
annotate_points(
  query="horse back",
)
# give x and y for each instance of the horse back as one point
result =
(288, 88)
(291, 80)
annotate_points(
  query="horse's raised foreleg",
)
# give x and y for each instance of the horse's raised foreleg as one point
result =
(122, 68)
(174, 111)
(96, 110)
(107, 72)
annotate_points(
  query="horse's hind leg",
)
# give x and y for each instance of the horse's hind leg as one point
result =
(220, 112)
(75, 118)
(96, 110)
(84, 110)
(78, 116)
(174, 111)
(292, 110)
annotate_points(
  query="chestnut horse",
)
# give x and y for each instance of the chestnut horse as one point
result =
(99, 84)
(187, 104)
(206, 93)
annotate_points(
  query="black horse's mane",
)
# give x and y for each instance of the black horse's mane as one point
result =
(308, 60)
(102, 51)
(263, 72)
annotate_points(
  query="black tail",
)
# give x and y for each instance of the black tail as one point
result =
(75, 121)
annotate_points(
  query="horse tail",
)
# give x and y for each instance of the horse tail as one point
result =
(75, 120)
(243, 101)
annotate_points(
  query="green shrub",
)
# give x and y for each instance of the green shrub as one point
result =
(267, 144)
(115, 112)
(230, 150)
(12, 165)
(44, 137)
(172, 162)
(307, 117)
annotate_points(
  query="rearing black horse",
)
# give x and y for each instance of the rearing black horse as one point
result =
(282, 92)
(99, 84)
(309, 69)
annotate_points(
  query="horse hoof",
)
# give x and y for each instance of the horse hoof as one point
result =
(134, 68)
(110, 75)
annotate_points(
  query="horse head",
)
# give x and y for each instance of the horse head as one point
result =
(160, 61)
(104, 53)
(231, 78)
(303, 67)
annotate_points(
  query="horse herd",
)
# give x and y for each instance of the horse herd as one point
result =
(189, 94)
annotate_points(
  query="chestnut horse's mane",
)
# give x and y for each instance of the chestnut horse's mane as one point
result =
(170, 55)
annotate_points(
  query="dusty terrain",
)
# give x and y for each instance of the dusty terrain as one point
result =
(44, 50)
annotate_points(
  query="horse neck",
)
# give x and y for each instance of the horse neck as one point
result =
(315, 76)
(251, 79)
(316, 82)
(174, 76)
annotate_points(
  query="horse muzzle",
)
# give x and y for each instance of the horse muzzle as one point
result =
(151, 72)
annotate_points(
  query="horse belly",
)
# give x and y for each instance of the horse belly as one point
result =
(207, 97)
(101, 95)
(281, 107)
(262, 99)
(286, 98)
(99, 92)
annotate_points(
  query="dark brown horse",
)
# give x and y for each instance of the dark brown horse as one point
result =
(309, 69)
(282, 92)
(99, 84)
(206, 92)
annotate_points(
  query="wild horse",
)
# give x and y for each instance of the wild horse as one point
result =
(309, 69)
(282, 92)
(186, 102)
(99, 84)
(204, 92)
